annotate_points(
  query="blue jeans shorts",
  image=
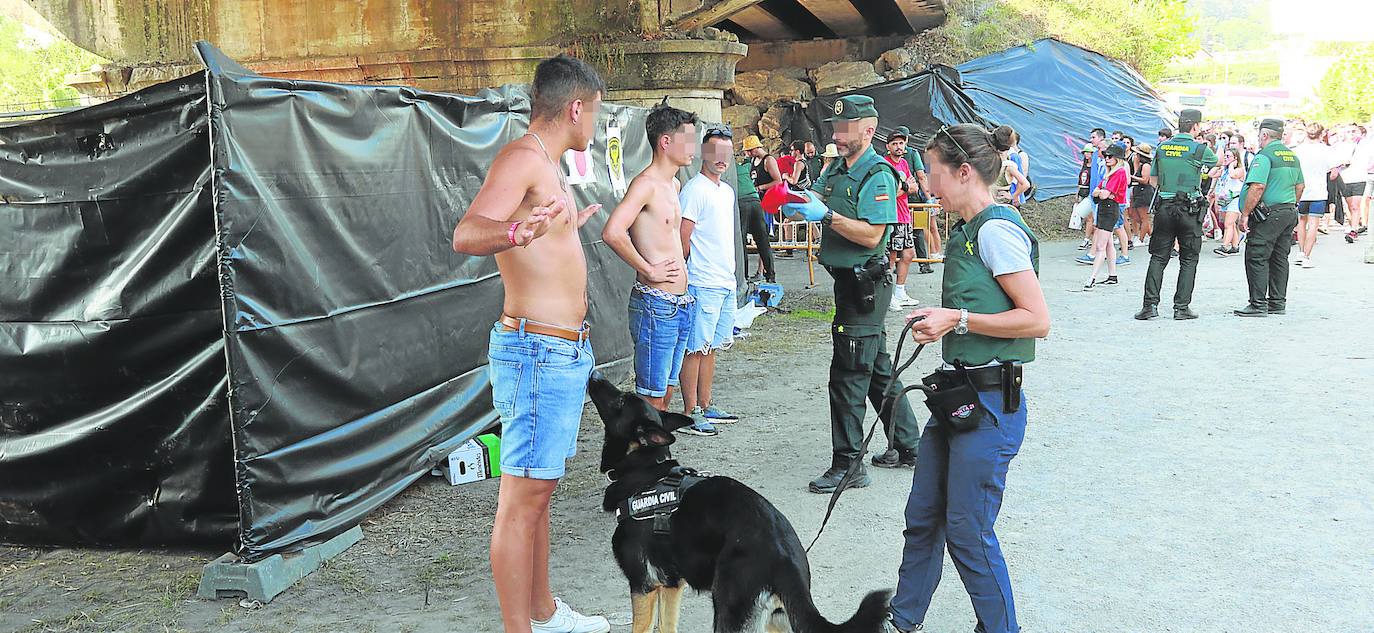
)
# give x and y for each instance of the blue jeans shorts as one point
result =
(538, 385)
(713, 319)
(659, 329)
(1312, 207)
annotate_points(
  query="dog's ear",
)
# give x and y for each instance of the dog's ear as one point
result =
(655, 436)
(675, 421)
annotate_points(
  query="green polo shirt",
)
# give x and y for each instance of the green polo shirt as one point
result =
(913, 160)
(746, 182)
(850, 191)
(1277, 168)
(1178, 164)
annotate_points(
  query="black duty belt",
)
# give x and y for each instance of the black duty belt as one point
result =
(991, 378)
(659, 501)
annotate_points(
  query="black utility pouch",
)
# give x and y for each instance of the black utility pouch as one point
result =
(953, 401)
(1260, 214)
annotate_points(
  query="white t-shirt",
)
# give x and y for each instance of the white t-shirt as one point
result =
(711, 207)
(1316, 160)
(1360, 162)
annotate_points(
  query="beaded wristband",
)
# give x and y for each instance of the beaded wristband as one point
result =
(510, 233)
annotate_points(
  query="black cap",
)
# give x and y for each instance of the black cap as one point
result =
(1116, 150)
(1187, 118)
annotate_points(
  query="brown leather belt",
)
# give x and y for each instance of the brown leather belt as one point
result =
(577, 336)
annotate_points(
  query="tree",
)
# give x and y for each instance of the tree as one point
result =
(33, 72)
(1346, 92)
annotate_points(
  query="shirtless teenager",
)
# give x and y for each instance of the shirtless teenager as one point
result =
(644, 231)
(540, 354)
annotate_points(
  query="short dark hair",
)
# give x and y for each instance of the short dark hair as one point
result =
(968, 143)
(664, 119)
(560, 80)
(799, 146)
(1118, 133)
(1098, 131)
(1166, 132)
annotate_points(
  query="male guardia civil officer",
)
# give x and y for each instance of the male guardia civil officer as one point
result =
(1177, 176)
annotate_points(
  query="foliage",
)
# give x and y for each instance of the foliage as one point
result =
(1261, 72)
(1147, 34)
(1231, 25)
(1346, 92)
(33, 71)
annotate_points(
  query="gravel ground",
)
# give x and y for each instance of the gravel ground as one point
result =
(1176, 476)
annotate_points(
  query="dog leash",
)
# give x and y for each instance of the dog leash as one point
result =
(890, 396)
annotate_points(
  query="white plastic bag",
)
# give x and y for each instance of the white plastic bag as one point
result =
(1082, 210)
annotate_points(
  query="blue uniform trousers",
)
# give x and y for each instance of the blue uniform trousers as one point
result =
(955, 496)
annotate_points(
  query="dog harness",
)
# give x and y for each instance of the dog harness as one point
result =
(659, 501)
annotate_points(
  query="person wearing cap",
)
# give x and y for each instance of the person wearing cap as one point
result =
(828, 156)
(1270, 213)
(914, 195)
(855, 202)
(1179, 163)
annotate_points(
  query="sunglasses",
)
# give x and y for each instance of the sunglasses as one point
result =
(718, 133)
(963, 152)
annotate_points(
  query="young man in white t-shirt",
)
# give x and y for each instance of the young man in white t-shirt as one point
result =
(1318, 161)
(708, 240)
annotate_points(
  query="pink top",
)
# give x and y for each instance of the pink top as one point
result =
(1116, 184)
(903, 170)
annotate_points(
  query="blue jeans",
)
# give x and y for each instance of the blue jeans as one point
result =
(538, 385)
(956, 493)
(659, 329)
(713, 319)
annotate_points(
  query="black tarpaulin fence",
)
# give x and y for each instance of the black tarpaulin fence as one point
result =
(299, 231)
(1051, 92)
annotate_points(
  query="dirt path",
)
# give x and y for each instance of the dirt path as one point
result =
(1204, 476)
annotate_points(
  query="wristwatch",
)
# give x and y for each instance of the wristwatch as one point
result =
(962, 328)
(828, 217)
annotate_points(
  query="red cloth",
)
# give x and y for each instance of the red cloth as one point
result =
(785, 165)
(1116, 184)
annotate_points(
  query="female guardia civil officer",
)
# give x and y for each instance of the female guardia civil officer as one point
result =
(993, 310)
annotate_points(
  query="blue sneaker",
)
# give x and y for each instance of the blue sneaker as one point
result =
(1122, 261)
(718, 416)
(699, 425)
(1084, 259)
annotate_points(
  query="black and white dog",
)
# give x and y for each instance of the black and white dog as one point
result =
(712, 533)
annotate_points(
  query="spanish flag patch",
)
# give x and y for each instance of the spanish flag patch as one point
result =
(882, 197)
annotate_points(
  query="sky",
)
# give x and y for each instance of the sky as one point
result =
(1328, 20)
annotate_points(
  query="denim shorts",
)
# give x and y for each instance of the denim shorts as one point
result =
(659, 329)
(538, 385)
(713, 319)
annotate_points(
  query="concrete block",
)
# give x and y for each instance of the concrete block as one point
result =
(226, 577)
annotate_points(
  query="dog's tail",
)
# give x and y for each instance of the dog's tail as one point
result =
(802, 613)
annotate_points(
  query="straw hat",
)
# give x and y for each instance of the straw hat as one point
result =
(831, 151)
(1144, 149)
(751, 143)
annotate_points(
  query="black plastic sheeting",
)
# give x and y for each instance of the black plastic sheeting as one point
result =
(1053, 93)
(114, 428)
(355, 337)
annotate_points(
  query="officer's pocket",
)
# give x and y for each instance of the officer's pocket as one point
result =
(855, 353)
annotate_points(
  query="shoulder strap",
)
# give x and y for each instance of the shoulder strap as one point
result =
(877, 168)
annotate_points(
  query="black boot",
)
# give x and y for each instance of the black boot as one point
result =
(1252, 310)
(1146, 313)
(830, 480)
(1184, 314)
(894, 458)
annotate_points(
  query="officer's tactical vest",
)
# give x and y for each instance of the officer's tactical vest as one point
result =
(1179, 179)
(841, 194)
(1280, 157)
(969, 284)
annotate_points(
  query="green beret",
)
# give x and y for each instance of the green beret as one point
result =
(853, 107)
(1272, 124)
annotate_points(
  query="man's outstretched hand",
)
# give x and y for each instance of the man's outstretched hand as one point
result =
(539, 221)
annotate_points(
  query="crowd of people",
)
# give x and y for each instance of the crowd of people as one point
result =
(1339, 159)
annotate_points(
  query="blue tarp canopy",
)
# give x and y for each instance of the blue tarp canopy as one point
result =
(1051, 92)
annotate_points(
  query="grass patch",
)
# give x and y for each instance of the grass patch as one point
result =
(345, 576)
(445, 571)
(815, 315)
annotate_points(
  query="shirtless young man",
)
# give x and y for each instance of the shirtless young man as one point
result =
(540, 353)
(644, 230)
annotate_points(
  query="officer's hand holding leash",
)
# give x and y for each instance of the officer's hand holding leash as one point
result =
(932, 323)
(813, 210)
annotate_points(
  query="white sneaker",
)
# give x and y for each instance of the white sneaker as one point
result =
(1307, 263)
(900, 299)
(1299, 259)
(565, 620)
